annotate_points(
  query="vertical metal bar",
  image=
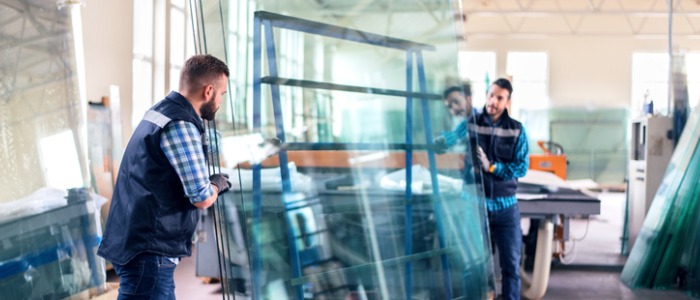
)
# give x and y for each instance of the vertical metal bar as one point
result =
(276, 103)
(670, 58)
(433, 175)
(257, 196)
(195, 27)
(284, 169)
(221, 203)
(408, 224)
(203, 33)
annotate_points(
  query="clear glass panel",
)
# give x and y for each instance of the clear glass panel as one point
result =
(357, 204)
(48, 223)
(665, 250)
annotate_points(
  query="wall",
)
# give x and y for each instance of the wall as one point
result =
(585, 71)
(108, 35)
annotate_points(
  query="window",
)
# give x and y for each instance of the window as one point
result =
(530, 78)
(692, 67)
(239, 43)
(155, 73)
(479, 68)
(291, 65)
(178, 46)
(650, 78)
(60, 161)
(142, 63)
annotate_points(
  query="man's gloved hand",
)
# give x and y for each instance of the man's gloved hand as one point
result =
(274, 142)
(221, 182)
(440, 145)
(483, 159)
(444, 141)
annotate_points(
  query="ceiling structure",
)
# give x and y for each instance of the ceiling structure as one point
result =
(645, 19)
(638, 18)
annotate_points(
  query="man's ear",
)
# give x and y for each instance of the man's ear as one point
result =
(208, 91)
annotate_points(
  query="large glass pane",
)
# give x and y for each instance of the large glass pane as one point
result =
(48, 223)
(358, 204)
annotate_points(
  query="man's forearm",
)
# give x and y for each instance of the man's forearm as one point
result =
(209, 201)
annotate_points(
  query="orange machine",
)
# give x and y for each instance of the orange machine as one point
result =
(555, 163)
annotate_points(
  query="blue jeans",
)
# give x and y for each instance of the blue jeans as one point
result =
(505, 232)
(146, 276)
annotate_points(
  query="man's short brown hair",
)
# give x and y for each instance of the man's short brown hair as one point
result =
(200, 70)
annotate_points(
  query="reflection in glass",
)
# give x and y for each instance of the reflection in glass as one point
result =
(357, 205)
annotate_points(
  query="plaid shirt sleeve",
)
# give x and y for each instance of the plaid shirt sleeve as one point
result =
(182, 144)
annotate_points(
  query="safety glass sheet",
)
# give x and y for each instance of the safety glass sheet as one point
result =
(666, 251)
(49, 223)
(357, 204)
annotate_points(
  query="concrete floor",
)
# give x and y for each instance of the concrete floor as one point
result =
(594, 272)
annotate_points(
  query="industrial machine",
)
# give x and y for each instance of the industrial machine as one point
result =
(651, 150)
(551, 162)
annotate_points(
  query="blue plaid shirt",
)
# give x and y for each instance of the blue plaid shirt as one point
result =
(515, 169)
(182, 144)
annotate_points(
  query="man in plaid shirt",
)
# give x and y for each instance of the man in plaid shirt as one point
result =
(162, 182)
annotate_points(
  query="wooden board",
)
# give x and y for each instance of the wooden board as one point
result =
(363, 159)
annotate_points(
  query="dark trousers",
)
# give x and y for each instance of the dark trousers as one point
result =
(506, 234)
(146, 276)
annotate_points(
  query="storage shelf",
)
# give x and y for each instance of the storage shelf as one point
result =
(347, 88)
(318, 28)
(373, 265)
(357, 146)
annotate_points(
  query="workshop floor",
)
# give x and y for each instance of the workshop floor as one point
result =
(593, 274)
(595, 270)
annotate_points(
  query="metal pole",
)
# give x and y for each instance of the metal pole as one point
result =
(257, 196)
(670, 56)
(408, 234)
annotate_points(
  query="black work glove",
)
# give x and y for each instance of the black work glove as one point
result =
(221, 182)
(274, 142)
(440, 143)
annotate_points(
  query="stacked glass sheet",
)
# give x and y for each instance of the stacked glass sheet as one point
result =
(49, 224)
(359, 206)
(667, 252)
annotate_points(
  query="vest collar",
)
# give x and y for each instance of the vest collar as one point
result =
(487, 118)
(180, 100)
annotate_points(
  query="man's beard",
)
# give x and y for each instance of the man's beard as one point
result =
(208, 110)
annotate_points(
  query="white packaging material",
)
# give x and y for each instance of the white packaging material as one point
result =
(250, 148)
(41, 200)
(421, 182)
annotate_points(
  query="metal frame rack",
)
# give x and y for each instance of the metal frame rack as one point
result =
(413, 51)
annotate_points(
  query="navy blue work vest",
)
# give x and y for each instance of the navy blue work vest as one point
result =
(498, 141)
(149, 210)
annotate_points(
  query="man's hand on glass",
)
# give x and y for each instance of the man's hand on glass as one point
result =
(221, 182)
(483, 159)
